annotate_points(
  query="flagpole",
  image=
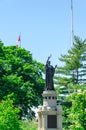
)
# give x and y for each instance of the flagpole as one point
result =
(72, 34)
(72, 24)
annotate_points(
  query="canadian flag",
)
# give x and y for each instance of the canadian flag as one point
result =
(19, 39)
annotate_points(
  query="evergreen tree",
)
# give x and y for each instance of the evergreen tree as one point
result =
(71, 75)
(73, 70)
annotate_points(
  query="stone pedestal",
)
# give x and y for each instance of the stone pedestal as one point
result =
(50, 114)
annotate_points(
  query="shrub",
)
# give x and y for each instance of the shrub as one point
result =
(9, 116)
(29, 125)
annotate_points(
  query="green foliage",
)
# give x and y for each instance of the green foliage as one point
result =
(71, 76)
(29, 125)
(78, 111)
(73, 70)
(66, 110)
(21, 75)
(9, 116)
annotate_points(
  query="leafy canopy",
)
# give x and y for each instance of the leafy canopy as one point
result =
(22, 75)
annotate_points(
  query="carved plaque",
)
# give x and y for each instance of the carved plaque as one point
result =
(52, 121)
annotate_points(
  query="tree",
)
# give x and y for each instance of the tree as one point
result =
(78, 111)
(73, 70)
(21, 75)
(9, 116)
(70, 75)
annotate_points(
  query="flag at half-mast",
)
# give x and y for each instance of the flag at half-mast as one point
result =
(18, 41)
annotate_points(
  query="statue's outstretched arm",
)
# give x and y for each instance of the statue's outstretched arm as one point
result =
(48, 58)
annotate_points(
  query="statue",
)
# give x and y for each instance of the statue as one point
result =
(50, 70)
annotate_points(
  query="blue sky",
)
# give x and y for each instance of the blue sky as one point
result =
(45, 25)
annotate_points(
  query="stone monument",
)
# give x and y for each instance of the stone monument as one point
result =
(49, 114)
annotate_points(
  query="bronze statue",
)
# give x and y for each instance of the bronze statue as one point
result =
(50, 70)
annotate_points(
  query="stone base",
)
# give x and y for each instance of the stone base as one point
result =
(50, 114)
(50, 120)
(50, 99)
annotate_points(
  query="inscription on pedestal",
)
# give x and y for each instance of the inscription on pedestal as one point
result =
(52, 121)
